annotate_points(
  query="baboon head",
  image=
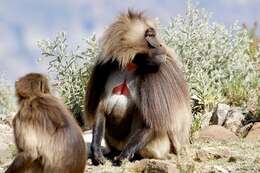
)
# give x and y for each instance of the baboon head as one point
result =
(30, 85)
(131, 34)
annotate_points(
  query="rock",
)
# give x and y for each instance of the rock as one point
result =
(210, 153)
(234, 119)
(243, 131)
(215, 133)
(219, 114)
(254, 133)
(159, 166)
(205, 121)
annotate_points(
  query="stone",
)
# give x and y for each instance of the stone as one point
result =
(234, 119)
(254, 133)
(159, 166)
(243, 131)
(219, 115)
(215, 133)
(210, 153)
(205, 121)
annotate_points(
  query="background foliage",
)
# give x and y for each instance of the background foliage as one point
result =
(221, 64)
(70, 68)
(6, 96)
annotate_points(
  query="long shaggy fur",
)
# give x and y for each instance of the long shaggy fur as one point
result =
(45, 131)
(164, 103)
(164, 99)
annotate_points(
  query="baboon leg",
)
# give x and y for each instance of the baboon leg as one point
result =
(135, 142)
(21, 162)
(98, 133)
(158, 148)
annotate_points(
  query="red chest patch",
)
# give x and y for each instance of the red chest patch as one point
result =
(123, 89)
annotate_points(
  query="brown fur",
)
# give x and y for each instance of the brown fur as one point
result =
(48, 139)
(124, 38)
(163, 103)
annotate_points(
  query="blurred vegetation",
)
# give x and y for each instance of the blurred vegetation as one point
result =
(221, 64)
(6, 96)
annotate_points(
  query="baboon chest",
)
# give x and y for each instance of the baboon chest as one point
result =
(120, 92)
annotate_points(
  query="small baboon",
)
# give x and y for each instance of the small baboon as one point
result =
(137, 97)
(47, 137)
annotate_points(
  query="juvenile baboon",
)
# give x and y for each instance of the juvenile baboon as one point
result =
(137, 96)
(47, 137)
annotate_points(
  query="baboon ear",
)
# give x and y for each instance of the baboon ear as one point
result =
(44, 88)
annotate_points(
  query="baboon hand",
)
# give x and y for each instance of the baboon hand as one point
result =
(119, 159)
(98, 158)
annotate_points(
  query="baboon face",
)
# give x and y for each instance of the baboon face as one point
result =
(143, 35)
(153, 42)
(31, 85)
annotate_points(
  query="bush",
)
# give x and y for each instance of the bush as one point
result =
(6, 97)
(70, 68)
(218, 61)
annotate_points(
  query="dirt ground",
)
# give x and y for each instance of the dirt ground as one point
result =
(213, 157)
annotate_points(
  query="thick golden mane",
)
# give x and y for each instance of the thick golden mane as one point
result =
(124, 38)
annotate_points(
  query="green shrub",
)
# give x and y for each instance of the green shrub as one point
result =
(70, 69)
(216, 59)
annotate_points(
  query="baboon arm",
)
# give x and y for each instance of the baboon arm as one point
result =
(22, 161)
(95, 87)
(98, 134)
(136, 142)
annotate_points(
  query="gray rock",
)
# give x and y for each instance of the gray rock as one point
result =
(205, 121)
(234, 119)
(219, 115)
(243, 131)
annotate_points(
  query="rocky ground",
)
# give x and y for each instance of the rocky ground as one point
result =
(215, 149)
(201, 157)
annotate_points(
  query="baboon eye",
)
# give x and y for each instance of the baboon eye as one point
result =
(150, 32)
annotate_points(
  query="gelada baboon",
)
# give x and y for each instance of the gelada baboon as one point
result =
(47, 137)
(137, 96)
